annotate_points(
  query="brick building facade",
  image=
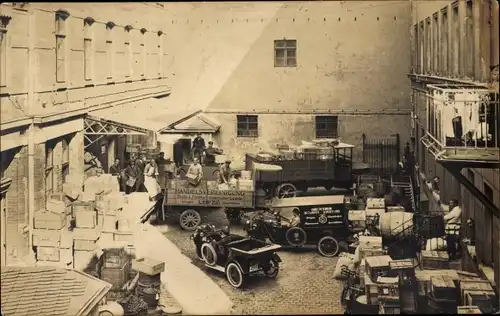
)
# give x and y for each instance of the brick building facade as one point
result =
(456, 43)
(60, 61)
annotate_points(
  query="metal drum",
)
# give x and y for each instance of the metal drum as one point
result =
(361, 306)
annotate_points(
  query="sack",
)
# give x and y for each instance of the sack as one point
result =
(131, 181)
(345, 259)
(435, 244)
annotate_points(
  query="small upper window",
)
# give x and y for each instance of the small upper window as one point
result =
(285, 53)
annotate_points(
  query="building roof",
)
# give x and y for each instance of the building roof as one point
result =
(48, 291)
(200, 122)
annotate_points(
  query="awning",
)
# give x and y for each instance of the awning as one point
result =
(193, 123)
(133, 118)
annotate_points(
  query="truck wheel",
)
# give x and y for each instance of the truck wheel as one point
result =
(328, 246)
(209, 254)
(189, 220)
(234, 275)
(286, 190)
(296, 237)
(271, 269)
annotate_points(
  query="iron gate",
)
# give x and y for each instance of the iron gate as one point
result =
(381, 154)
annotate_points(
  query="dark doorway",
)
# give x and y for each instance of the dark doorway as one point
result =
(182, 150)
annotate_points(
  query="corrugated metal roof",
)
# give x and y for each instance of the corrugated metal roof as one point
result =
(309, 200)
(48, 291)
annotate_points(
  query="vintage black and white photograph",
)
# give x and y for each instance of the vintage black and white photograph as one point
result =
(249, 158)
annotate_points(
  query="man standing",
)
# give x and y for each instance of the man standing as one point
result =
(116, 171)
(141, 165)
(453, 220)
(195, 172)
(198, 146)
(132, 178)
(160, 162)
(210, 153)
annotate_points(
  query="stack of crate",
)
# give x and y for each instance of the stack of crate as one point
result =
(405, 270)
(370, 246)
(443, 295)
(49, 227)
(423, 278)
(477, 293)
(108, 207)
(375, 266)
(86, 232)
(116, 268)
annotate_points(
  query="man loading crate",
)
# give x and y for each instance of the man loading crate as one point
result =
(195, 172)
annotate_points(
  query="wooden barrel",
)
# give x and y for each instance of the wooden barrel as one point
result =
(394, 223)
(361, 306)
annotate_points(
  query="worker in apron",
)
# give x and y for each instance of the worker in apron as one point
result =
(453, 221)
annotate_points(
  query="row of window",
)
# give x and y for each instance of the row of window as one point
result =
(88, 49)
(438, 42)
(325, 126)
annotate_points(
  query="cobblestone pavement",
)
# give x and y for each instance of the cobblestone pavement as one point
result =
(304, 285)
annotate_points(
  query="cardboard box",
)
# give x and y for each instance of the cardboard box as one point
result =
(47, 220)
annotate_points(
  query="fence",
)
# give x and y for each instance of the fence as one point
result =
(382, 154)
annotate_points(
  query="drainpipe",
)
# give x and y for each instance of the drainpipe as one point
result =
(31, 130)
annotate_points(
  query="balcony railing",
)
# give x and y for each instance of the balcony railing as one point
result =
(463, 123)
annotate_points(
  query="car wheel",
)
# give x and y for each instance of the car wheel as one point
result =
(328, 246)
(286, 190)
(208, 254)
(189, 220)
(234, 275)
(271, 269)
(296, 237)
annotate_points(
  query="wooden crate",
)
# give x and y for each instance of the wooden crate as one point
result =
(371, 252)
(114, 257)
(372, 290)
(88, 206)
(85, 219)
(47, 237)
(468, 310)
(484, 300)
(388, 286)
(402, 268)
(467, 276)
(47, 220)
(81, 244)
(117, 277)
(423, 278)
(378, 265)
(389, 305)
(443, 288)
(435, 260)
(476, 286)
(48, 253)
(442, 307)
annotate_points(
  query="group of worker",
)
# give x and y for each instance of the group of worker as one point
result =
(143, 175)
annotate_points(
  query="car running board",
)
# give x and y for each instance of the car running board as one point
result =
(216, 267)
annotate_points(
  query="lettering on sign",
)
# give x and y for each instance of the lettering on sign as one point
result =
(215, 198)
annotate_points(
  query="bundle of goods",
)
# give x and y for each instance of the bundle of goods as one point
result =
(345, 260)
(133, 305)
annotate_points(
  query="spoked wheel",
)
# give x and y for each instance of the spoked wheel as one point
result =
(234, 275)
(271, 269)
(189, 220)
(328, 246)
(208, 254)
(296, 237)
(286, 190)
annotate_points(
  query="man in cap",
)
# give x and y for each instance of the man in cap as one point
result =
(210, 153)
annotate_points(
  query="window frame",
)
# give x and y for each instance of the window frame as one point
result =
(110, 51)
(88, 49)
(60, 48)
(49, 168)
(4, 65)
(128, 52)
(247, 126)
(160, 54)
(143, 53)
(330, 129)
(286, 46)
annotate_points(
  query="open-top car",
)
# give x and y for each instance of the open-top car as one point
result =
(323, 222)
(238, 258)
